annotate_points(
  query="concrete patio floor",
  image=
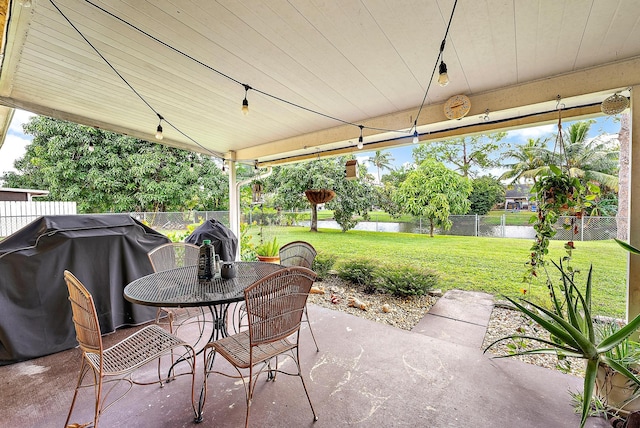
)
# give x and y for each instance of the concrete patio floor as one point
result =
(366, 374)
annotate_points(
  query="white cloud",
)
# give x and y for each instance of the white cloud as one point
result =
(15, 142)
(536, 132)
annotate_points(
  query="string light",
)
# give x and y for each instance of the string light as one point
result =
(191, 167)
(224, 164)
(91, 148)
(159, 135)
(245, 102)
(443, 77)
(416, 140)
(255, 166)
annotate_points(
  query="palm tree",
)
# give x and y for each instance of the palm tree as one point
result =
(381, 161)
(530, 159)
(591, 161)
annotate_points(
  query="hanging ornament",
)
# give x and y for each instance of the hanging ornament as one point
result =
(614, 104)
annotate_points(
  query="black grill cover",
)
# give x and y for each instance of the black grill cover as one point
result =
(222, 238)
(105, 252)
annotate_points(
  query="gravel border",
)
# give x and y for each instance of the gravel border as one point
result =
(405, 313)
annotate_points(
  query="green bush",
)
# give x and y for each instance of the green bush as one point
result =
(360, 272)
(406, 281)
(322, 264)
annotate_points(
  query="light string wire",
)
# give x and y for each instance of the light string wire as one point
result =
(277, 98)
(435, 66)
(246, 86)
(143, 99)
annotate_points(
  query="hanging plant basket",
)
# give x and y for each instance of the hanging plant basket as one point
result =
(319, 196)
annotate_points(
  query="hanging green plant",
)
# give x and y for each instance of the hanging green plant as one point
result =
(557, 193)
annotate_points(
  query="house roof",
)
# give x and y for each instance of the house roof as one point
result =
(317, 70)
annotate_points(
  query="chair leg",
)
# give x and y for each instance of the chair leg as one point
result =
(83, 370)
(306, 319)
(315, 416)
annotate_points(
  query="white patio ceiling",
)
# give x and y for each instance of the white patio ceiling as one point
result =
(364, 62)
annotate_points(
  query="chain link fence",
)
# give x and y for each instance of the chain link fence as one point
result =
(568, 228)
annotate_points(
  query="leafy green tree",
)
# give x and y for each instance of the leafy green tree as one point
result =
(487, 191)
(434, 192)
(353, 197)
(594, 161)
(106, 172)
(381, 160)
(467, 153)
(528, 159)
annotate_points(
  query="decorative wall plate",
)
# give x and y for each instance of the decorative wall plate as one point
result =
(457, 107)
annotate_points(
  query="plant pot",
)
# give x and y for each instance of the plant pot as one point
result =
(319, 196)
(269, 259)
(616, 391)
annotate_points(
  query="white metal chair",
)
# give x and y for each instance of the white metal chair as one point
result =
(118, 362)
(274, 305)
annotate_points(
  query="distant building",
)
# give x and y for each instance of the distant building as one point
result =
(518, 197)
(9, 194)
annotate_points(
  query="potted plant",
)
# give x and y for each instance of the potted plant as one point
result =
(572, 331)
(269, 251)
(556, 193)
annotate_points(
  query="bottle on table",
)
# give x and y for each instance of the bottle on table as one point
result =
(206, 261)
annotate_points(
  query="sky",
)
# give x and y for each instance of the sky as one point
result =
(16, 142)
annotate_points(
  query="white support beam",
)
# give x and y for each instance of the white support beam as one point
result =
(633, 277)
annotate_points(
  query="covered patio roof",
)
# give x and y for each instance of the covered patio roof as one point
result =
(317, 70)
(317, 74)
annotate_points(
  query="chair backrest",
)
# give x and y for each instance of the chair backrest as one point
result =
(276, 302)
(297, 253)
(85, 318)
(173, 255)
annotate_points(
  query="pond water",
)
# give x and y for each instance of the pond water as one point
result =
(460, 229)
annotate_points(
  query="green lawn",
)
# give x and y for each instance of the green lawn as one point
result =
(493, 265)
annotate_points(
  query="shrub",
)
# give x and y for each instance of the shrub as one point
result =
(322, 264)
(406, 281)
(360, 272)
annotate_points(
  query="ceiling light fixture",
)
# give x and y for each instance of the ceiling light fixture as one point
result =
(245, 102)
(360, 140)
(159, 135)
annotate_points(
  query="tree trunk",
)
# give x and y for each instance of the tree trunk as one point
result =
(314, 217)
(622, 218)
(431, 227)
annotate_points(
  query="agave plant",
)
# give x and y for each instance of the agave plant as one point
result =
(572, 332)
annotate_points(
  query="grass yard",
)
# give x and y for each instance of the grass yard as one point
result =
(492, 265)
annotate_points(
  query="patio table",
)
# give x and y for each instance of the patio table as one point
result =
(180, 288)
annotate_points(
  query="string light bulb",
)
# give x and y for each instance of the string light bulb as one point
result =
(159, 135)
(91, 148)
(443, 78)
(224, 164)
(255, 166)
(191, 167)
(360, 139)
(245, 102)
(416, 140)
